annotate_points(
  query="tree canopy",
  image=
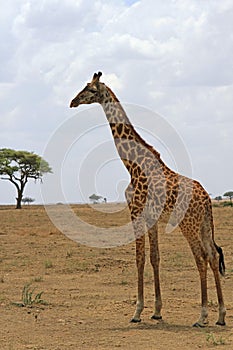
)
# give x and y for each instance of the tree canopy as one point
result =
(229, 194)
(20, 166)
(28, 200)
(95, 198)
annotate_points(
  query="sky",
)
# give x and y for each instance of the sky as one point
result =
(169, 62)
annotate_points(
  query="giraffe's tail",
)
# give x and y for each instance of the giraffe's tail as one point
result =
(221, 259)
(219, 249)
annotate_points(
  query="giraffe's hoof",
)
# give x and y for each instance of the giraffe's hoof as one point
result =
(156, 317)
(200, 325)
(135, 320)
(221, 323)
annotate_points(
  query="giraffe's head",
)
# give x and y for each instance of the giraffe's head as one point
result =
(90, 94)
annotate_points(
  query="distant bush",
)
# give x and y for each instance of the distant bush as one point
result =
(227, 204)
(216, 205)
(28, 200)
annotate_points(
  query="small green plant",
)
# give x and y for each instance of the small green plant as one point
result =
(97, 267)
(27, 296)
(124, 283)
(69, 254)
(28, 299)
(211, 339)
(48, 264)
(38, 279)
(212, 304)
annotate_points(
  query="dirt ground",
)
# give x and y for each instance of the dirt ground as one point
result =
(89, 293)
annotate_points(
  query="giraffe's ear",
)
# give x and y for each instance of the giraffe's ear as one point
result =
(96, 77)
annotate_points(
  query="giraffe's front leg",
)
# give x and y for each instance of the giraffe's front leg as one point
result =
(140, 261)
(155, 259)
(203, 320)
(202, 268)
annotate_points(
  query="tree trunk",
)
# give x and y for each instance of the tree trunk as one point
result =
(19, 199)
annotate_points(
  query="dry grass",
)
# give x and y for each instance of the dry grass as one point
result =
(91, 292)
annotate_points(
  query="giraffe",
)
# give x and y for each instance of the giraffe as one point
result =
(155, 190)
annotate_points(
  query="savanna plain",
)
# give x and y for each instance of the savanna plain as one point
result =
(58, 294)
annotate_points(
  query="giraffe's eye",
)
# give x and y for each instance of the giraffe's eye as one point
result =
(91, 89)
(94, 91)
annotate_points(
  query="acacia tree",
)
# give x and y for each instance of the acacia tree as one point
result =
(218, 198)
(20, 166)
(229, 194)
(28, 200)
(95, 198)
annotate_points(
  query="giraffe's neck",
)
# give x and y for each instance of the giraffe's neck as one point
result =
(132, 149)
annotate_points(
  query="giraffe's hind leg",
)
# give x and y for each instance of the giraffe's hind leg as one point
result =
(201, 262)
(216, 260)
(222, 311)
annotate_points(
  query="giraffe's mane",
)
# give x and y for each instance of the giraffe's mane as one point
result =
(138, 137)
(112, 94)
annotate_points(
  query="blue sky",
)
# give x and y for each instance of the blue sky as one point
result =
(171, 57)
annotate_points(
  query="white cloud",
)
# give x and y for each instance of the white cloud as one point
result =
(174, 57)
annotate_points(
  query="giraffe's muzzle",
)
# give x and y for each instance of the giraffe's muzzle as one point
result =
(74, 103)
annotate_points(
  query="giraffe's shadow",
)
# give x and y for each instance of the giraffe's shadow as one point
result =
(170, 327)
